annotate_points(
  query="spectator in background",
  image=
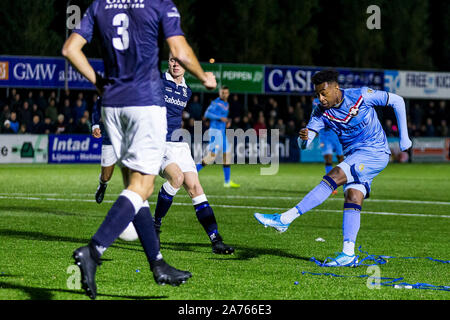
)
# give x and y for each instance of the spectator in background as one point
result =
(51, 111)
(48, 126)
(78, 111)
(16, 104)
(195, 108)
(66, 110)
(5, 114)
(443, 130)
(36, 111)
(37, 126)
(290, 114)
(14, 123)
(299, 111)
(60, 126)
(25, 114)
(30, 98)
(272, 109)
(388, 129)
(236, 123)
(260, 123)
(83, 100)
(429, 128)
(257, 106)
(246, 122)
(270, 124)
(53, 97)
(235, 107)
(23, 129)
(41, 101)
(12, 96)
(65, 95)
(291, 129)
(6, 128)
(83, 126)
(442, 112)
(281, 127)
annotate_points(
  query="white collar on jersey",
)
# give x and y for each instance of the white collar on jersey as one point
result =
(170, 78)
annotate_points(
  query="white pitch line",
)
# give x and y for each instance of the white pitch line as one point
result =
(234, 207)
(245, 197)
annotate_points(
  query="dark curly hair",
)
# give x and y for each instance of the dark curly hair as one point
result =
(328, 75)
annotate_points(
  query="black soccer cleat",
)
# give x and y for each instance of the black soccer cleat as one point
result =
(166, 274)
(218, 247)
(100, 193)
(88, 267)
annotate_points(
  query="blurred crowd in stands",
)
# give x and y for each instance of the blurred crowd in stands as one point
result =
(26, 111)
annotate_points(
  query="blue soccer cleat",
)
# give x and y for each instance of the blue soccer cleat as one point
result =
(271, 220)
(343, 260)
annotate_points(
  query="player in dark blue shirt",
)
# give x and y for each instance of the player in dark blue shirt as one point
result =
(178, 167)
(134, 114)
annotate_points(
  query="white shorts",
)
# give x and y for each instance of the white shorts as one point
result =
(108, 156)
(138, 136)
(180, 154)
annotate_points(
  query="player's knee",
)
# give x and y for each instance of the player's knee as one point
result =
(354, 196)
(177, 180)
(337, 175)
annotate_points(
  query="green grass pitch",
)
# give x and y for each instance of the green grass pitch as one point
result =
(47, 211)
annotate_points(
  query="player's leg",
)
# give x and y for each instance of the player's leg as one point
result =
(108, 160)
(143, 156)
(228, 183)
(174, 176)
(205, 213)
(207, 160)
(330, 182)
(360, 168)
(354, 197)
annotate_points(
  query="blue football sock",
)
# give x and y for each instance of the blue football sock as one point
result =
(226, 173)
(199, 167)
(163, 204)
(350, 226)
(205, 216)
(328, 168)
(143, 223)
(119, 216)
(317, 195)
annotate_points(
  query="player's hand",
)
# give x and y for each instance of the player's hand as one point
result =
(303, 134)
(405, 144)
(210, 82)
(223, 119)
(96, 133)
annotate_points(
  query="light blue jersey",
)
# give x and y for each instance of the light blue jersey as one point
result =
(216, 110)
(354, 120)
(217, 136)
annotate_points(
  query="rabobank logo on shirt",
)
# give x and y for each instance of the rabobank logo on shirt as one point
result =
(177, 102)
(74, 149)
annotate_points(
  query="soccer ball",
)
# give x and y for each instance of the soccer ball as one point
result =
(129, 234)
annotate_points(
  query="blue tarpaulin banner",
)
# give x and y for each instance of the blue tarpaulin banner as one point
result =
(43, 73)
(74, 149)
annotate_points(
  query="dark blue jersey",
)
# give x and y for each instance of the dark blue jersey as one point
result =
(176, 98)
(129, 31)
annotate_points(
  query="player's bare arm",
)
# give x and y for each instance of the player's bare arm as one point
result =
(72, 51)
(182, 51)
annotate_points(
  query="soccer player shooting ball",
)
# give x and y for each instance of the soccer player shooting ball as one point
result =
(351, 114)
